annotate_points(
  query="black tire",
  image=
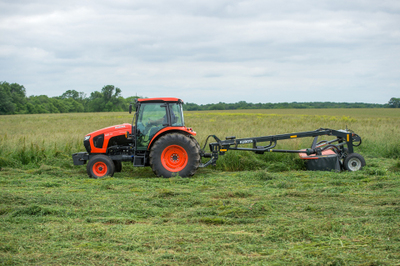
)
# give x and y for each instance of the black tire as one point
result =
(195, 142)
(174, 153)
(118, 166)
(100, 166)
(353, 162)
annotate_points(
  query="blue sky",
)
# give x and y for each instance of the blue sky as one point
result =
(205, 51)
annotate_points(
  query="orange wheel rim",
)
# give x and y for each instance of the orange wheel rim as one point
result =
(100, 169)
(174, 158)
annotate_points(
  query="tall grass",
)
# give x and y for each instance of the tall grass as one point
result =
(32, 140)
(378, 132)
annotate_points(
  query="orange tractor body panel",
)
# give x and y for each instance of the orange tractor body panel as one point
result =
(109, 132)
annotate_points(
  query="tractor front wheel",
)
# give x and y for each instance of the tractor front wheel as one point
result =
(100, 166)
(175, 153)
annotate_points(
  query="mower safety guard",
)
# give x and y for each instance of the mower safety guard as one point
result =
(344, 137)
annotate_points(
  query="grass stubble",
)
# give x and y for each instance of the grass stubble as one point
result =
(250, 209)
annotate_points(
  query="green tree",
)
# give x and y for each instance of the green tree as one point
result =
(394, 102)
(18, 95)
(108, 100)
(39, 104)
(12, 98)
(6, 104)
(113, 100)
(73, 94)
(96, 102)
(75, 106)
(218, 106)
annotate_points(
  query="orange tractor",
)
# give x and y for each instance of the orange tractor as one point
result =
(159, 138)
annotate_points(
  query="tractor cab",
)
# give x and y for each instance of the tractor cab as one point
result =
(161, 140)
(155, 115)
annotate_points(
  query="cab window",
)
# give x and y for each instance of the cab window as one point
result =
(176, 115)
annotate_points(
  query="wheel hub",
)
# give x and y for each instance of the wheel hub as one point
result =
(100, 169)
(174, 158)
(354, 164)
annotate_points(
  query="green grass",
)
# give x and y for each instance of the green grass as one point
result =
(250, 209)
(56, 216)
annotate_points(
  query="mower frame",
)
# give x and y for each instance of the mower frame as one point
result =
(344, 138)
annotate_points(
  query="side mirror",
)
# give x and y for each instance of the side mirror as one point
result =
(130, 108)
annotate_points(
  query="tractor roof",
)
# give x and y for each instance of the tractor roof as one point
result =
(162, 99)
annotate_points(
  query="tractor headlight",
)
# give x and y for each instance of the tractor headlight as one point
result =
(86, 138)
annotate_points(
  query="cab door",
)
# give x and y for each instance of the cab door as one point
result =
(152, 117)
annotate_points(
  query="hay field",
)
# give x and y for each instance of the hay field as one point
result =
(249, 210)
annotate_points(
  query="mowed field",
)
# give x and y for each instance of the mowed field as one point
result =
(248, 210)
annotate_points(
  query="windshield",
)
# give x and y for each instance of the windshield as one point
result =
(152, 112)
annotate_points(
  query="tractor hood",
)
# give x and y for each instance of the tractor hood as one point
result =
(113, 130)
(98, 141)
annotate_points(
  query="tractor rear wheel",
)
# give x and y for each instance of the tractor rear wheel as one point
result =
(175, 153)
(100, 166)
(353, 162)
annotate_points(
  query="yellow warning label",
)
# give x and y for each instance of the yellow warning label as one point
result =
(294, 136)
(223, 150)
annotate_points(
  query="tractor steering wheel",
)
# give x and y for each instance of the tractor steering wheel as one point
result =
(149, 123)
(148, 126)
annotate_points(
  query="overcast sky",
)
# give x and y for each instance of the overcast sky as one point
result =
(205, 51)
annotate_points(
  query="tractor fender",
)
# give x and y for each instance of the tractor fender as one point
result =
(168, 130)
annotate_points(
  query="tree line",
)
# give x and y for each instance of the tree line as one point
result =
(393, 103)
(13, 100)
(284, 105)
